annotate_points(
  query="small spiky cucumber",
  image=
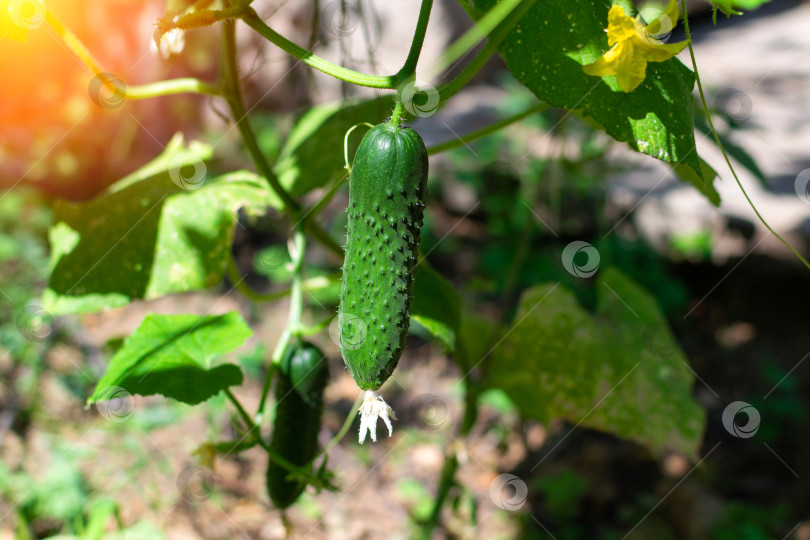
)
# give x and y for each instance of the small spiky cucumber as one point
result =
(302, 377)
(387, 188)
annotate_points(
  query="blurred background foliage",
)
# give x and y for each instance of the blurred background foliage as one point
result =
(497, 223)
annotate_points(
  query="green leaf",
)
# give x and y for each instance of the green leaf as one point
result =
(729, 7)
(705, 184)
(174, 355)
(546, 52)
(147, 236)
(313, 154)
(436, 305)
(618, 370)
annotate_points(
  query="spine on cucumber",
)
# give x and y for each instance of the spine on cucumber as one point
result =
(302, 376)
(387, 189)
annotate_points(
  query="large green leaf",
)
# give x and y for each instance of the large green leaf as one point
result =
(175, 355)
(145, 237)
(546, 52)
(617, 370)
(436, 305)
(313, 154)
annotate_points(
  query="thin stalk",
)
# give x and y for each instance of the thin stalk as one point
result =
(396, 116)
(253, 20)
(496, 35)
(483, 132)
(268, 379)
(116, 84)
(344, 429)
(238, 111)
(409, 68)
(233, 94)
(482, 27)
(297, 251)
(720, 144)
(253, 427)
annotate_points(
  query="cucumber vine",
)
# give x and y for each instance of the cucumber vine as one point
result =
(388, 184)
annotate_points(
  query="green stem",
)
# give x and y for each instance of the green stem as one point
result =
(483, 132)
(237, 106)
(297, 294)
(234, 98)
(251, 426)
(253, 20)
(497, 24)
(344, 429)
(116, 84)
(187, 85)
(482, 27)
(409, 68)
(396, 116)
(268, 379)
(297, 251)
(233, 94)
(720, 144)
(254, 428)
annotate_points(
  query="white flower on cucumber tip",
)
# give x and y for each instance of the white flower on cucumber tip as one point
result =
(373, 408)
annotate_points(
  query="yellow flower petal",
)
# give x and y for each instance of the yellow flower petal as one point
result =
(620, 26)
(633, 45)
(600, 68)
(665, 21)
(660, 52)
(632, 68)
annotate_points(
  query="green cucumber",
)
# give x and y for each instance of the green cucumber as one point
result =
(387, 189)
(301, 379)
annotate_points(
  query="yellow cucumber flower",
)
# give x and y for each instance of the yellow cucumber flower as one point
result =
(633, 44)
